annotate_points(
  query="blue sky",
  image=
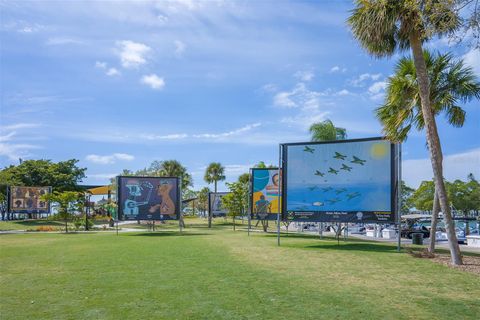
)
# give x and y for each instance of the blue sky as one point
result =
(120, 84)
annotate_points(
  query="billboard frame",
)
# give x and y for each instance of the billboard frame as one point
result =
(394, 177)
(178, 209)
(210, 204)
(270, 216)
(9, 200)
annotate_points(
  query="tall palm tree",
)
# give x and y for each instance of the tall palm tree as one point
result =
(214, 173)
(325, 131)
(450, 83)
(382, 28)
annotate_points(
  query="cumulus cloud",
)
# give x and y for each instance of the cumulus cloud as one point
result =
(304, 75)
(132, 54)
(472, 59)
(299, 97)
(336, 69)
(14, 151)
(108, 71)
(363, 78)
(377, 90)
(154, 81)
(109, 159)
(112, 72)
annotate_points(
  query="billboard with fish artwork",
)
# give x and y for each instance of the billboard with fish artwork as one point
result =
(265, 193)
(148, 198)
(340, 181)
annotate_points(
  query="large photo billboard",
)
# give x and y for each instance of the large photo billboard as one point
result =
(215, 206)
(340, 181)
(148, 198)
(28, 199)
(265, 193)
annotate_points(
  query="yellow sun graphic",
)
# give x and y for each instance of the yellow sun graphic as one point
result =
(378, 150)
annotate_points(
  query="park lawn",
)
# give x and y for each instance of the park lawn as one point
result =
(31, 224)
(220, 274)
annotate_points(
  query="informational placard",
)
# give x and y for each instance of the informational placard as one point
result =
(28, 199)
(215, 205)
(148, 198)
(265, 199)
(340, 181)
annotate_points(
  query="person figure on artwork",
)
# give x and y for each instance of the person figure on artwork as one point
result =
(166, 206)
(272, 189)
(262, 207)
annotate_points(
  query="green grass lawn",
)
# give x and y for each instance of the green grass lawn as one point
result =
(220, 274)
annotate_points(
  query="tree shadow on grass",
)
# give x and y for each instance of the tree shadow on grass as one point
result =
(373, 247)
(166, 234)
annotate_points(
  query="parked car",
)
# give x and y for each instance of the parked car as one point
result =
(408, 231)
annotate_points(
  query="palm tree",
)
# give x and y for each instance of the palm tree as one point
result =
(450, 83)
(382, 28)
(213, 174)
(325, 131)
(172, 168)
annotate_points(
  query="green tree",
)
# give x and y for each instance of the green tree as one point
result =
(422, 198)
(202, 201)
(450, 84)
(244, 178)
(406, 196)
(61, 176)
(69, 203)
(382, 28)
(236, 202)
(326, 131)
(262, 165)
(214, 173)
(172, 168)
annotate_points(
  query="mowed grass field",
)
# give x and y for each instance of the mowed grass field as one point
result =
(220, 274)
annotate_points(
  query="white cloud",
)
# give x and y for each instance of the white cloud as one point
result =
(337, 69)
(62, 41)
(179, 48)
(15, 151)
(112, 72)
(17, 126)
(173, 136)
(343, 92)
(304, 75)
(154, 81)
(108, 71)
(228, 133)
(100, 65)
(377, 90)
(8, 136)
(132, 54)
(361, 79)
(455, 166)
(109, 159)
(299, 97)
(472, 59)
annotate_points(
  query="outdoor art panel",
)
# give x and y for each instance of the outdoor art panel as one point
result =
(148, 198)
(344, 181)
(266, 196)
(215, 205)
(28, 199)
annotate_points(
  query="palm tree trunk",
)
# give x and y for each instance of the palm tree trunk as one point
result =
(433, 229)
(434, 145)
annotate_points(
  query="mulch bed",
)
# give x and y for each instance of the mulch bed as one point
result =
(470, 263)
